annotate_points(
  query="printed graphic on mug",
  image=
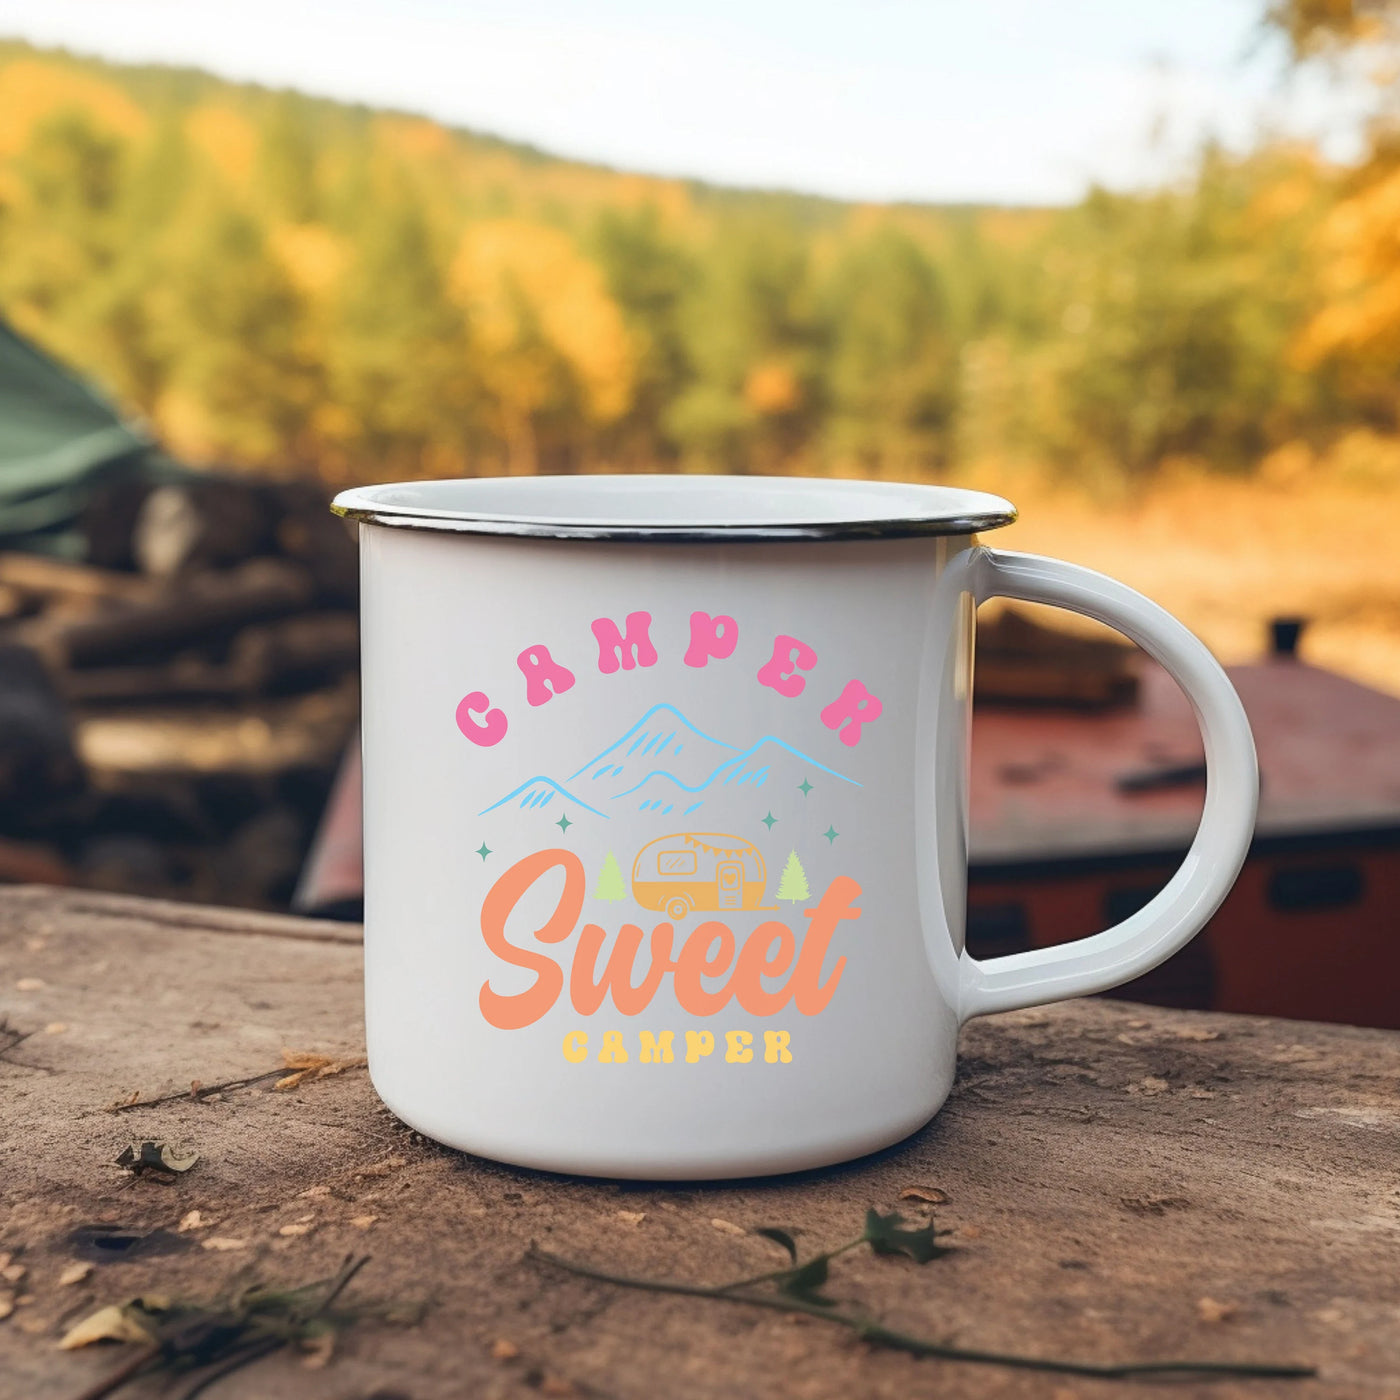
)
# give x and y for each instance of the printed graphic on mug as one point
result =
(657, 778)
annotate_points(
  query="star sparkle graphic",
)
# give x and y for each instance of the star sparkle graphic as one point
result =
(563, 823)
(831, 834)
(483, 850)
(770, 821)
(804, 787)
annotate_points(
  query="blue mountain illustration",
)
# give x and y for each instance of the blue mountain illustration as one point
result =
(664, 764)
(539, 792)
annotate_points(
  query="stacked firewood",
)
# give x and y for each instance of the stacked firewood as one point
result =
(174, 707)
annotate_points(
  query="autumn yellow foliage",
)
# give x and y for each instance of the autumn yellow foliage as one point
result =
(1197, 387)
(1359, 277)
(532, 296)
(33, 90)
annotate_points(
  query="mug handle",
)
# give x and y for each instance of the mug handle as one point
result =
(1194, 893)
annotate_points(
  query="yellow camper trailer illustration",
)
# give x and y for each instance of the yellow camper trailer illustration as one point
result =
(698, 870)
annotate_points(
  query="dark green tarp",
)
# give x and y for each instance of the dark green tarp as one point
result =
(59, 442)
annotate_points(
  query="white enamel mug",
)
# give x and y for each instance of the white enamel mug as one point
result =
(666, 813)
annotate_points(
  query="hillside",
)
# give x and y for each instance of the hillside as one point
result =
(294, 283)
(1165, 381)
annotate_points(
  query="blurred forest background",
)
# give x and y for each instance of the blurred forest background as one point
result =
(1197, 388)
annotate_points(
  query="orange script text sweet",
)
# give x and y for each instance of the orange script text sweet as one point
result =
(711, 951)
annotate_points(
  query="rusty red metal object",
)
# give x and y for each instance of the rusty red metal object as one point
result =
(1070, 833)
(332, 881)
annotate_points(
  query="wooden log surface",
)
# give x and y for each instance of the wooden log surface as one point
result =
(1123, 1184)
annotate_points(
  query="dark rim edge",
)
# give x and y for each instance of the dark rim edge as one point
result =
(685, 534)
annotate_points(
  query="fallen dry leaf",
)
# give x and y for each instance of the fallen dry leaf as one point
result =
(305, 1064)
(971, 1232)
(55, 1028)
(389, 1164)
(30, 984)
(728, 1227)
(5, 1257)
(223, 1243)
(300, 1227)
(931, 1195)
(1209, 1310)
(503, 1349)
(557, 1385)
(109, 1324)
(7, 1305)
(1194, 1033)
(632, 1217)
(12, 1273)
(192, 1220)
(74, 1273)
(363, 1222)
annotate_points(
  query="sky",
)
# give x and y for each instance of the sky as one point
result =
(1008, 101)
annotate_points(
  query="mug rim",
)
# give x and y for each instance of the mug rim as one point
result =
(613, 506)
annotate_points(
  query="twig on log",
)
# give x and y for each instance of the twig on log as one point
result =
(879, 1335)
(197, 1091)
(297, 1066)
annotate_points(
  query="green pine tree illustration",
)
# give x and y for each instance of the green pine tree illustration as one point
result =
(611, 885)
(793, 884)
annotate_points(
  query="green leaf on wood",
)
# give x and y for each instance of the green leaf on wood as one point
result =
(805, 1283)
(797, 1290)
(885, 1235)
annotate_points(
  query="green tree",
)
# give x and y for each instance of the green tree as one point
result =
(287, 157)
(243, 382)
(1168, 343)
(647, 274)
(399, 353)
(126, 347)
(59, 235)
(890, 371)
(611, 886)
(754, 334)
(793, 883)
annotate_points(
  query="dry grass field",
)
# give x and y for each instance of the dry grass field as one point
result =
(1226, 555)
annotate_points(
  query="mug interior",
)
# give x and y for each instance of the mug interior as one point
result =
(708, 506)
